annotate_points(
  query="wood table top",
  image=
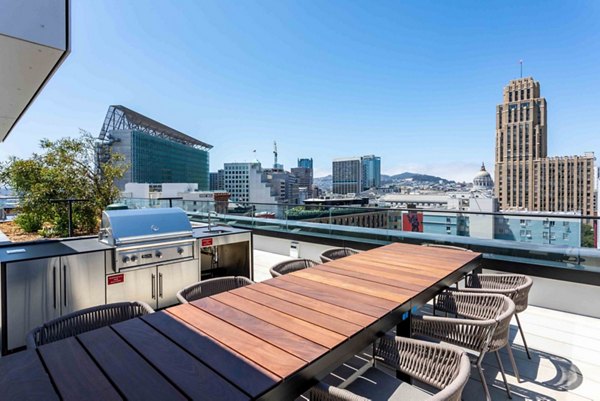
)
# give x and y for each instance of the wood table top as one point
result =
(269, 340)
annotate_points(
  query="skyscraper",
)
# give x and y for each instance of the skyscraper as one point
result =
(305, 163)
(217, 181)
(305, 178)
(526, 178)
(371, 172)
(347, 174)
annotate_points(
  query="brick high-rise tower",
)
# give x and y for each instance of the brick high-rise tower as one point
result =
(526, 178)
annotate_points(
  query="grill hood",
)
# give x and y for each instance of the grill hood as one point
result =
(139, 225)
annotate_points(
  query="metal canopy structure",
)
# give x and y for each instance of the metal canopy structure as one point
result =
(121, 118)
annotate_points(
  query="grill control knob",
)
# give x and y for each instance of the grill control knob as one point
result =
(133, 258)
(125, 259)
(158, 254)
(180, 250)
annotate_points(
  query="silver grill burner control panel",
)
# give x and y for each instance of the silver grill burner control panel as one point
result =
(127, 258)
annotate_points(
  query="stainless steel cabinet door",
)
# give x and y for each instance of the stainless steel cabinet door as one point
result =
(82, 281)
(172, 278)
(135, 285)
(32, 297)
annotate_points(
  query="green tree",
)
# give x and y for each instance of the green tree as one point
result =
(587, 236)
(65, 168)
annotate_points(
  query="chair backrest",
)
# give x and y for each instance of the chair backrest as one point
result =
(337, 253)
(516, 286)
(210, 287)
(470, 305)
(443, 366)
(456, 248)
(84, 320)
(290, 266)
(501, 334)
(481, 307)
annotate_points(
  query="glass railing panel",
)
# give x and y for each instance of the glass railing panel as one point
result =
(560, 240)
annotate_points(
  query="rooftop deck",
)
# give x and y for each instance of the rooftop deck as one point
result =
(565, 350)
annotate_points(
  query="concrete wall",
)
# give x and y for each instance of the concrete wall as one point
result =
(307, 250)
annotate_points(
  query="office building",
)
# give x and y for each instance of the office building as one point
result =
(304, 177)
(353, 175)
(154, 152)
(347, 175)
(244, 181)
(305, 163)
(217, 181)
(526, 178)
(283, 184)
(371, 172)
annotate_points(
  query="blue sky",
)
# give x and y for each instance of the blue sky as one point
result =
(413, 82)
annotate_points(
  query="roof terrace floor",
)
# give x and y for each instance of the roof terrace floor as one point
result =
(565, 350)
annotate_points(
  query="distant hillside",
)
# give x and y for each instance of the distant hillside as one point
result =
(416, 177)
(326, 182)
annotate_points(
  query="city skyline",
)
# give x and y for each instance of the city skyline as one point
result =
(396, 80)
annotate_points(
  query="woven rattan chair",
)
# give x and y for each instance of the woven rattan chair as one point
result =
(337, 253)
(290, 266)
(441, 246)
(444, 367)
(84, 320)
(482, 326)
(514, 286)
(456, 248)
(212, 286)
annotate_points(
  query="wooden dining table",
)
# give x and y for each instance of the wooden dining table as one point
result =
(267, 341)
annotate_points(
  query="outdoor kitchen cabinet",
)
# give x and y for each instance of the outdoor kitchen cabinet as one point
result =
(174, 277)
(156, 285)
(40, 290)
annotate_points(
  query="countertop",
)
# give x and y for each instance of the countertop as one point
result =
(15, 252)
(202, 231)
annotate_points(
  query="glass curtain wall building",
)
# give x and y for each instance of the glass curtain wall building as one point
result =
(371, 172)
(154, 152)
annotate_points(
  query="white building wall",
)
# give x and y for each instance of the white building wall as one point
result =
(136, 190)
(169, 190)
(482, 226)
(259, 191)
(172, 190)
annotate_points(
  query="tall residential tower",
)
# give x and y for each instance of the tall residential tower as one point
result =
(526, 178)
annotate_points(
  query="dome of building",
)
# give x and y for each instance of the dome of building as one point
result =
(483, 180)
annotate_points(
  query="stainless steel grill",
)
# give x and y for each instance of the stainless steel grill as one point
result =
(147, 236)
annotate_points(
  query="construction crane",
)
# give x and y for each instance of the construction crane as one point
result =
(275, 154)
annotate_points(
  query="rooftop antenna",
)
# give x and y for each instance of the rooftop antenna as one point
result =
(275, 154)
(521, 62)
